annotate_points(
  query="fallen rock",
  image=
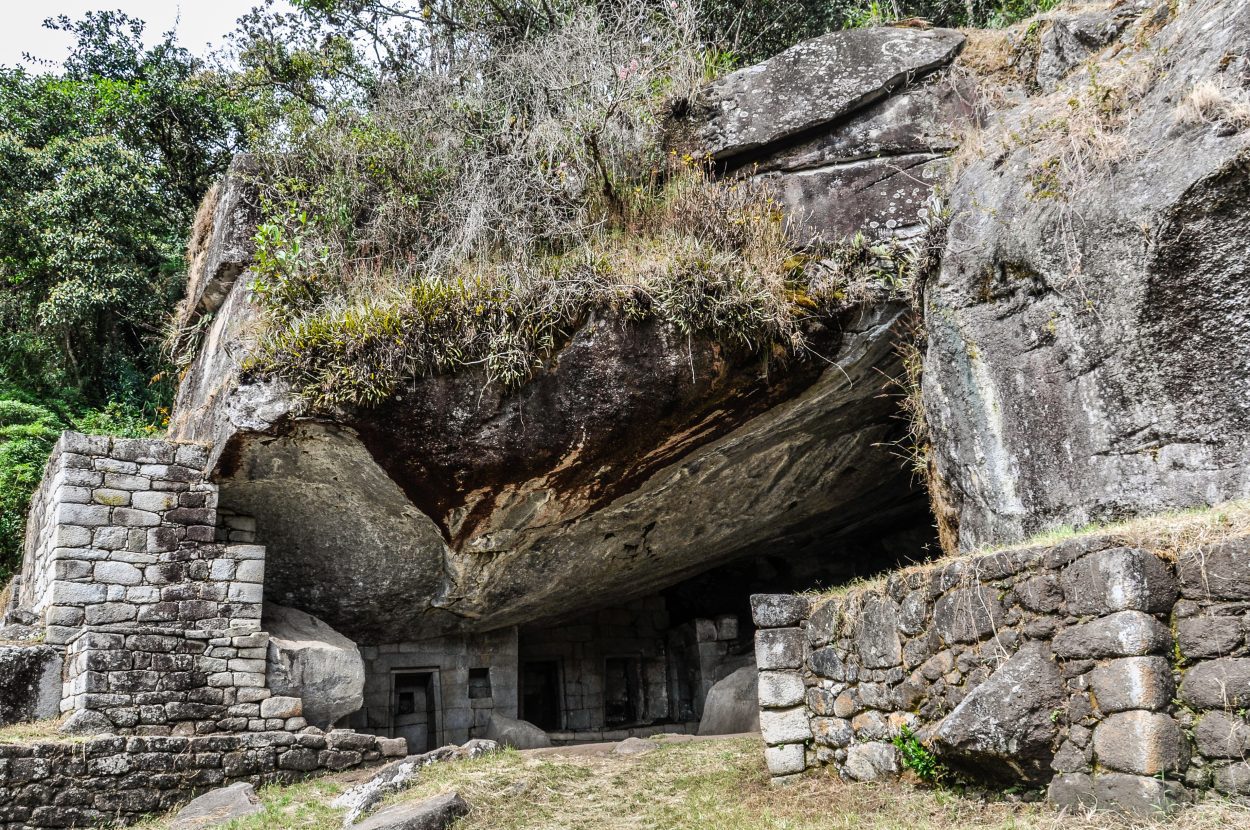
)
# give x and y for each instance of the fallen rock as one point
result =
(872, 761)
(434, 813)
(310, 661)
(518, 734)
(86, 722)
(1003, 730)
(732, 705)
(218, 807)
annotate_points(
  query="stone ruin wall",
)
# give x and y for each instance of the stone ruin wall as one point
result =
(1107, 674)
(116, 780)
(159, 627)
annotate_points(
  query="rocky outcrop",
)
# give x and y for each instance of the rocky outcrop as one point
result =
(458, 505)
(1087, 330)
(852, 129)
(30, 683)
(309, 660)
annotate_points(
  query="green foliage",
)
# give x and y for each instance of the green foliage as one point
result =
(28, 431)
(918, 758)
(104, 164)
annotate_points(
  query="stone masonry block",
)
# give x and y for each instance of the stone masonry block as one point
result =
(1141, 743)
(780, 689)
(129, 517)
(779, 648)
(1133, 683)
(1218, 684)
(786, 760)
(1122, 579)
(154, 502)
(84, 515)
(782, 726)
(1217, 572)
(117, 573)
(1122, 634)
(778, 610)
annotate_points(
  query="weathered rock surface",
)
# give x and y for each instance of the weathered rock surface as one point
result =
(817, 82)
(30, 683)
(398, 775)
(310, 661)
(1003, 730)
(218, 807)
(434, 813)
(462, 509)
(732, 705)
(518, 734)
(1087, 333)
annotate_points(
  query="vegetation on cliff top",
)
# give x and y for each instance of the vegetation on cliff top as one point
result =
(477, 212)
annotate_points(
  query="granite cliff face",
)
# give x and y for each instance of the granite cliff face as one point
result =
(1082, 348)
(636, 457)
(1086, 333)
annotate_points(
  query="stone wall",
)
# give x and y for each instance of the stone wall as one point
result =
(122, 530)
(1104, 672)
(460, 714)
(118, 780)
(162, 681)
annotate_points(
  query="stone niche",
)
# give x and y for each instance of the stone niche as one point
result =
(1102, 672)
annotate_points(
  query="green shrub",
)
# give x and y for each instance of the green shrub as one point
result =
(918, 758)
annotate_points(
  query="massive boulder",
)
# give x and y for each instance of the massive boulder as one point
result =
(636, 454)
(309, 660)
(1089, 330)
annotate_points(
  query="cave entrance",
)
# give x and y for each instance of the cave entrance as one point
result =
(414, 708)
(540, 694)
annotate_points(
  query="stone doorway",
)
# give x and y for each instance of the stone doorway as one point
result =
(414, 708)
(540, 694)
(622, 690)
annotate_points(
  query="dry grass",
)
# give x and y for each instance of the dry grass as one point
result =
(1215, 102)
(36, 731)
(707, 785)
(1164, 534)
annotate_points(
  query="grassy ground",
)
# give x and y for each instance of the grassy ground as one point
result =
(707, 785)
(40, 730)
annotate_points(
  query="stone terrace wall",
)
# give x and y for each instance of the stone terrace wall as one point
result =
(118, 779)
(1103, 671)
(162, 681)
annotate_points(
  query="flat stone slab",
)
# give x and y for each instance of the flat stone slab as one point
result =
(431, 814)
(213, 809)
(815, 83)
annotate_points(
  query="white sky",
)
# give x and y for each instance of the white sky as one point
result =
(198, 22)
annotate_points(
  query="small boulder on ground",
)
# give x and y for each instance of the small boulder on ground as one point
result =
(218, 807)
(732, 705)
(634, 746)
(518, 734)
(435, 813)
(311, 661)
